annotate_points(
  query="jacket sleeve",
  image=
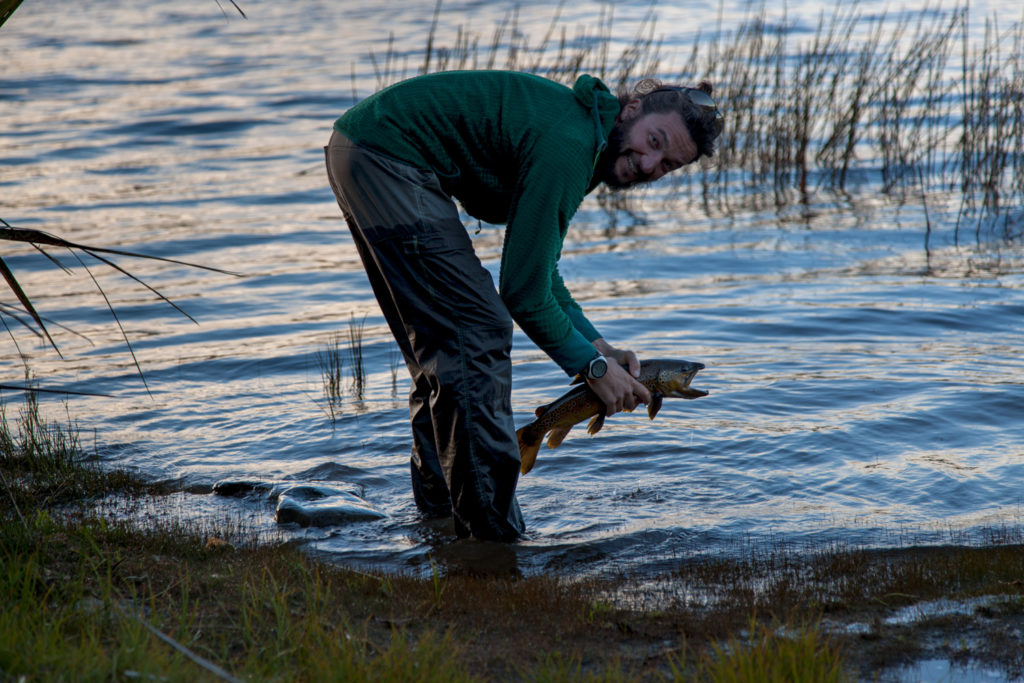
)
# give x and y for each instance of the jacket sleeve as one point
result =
(571, 308)
(551, 187)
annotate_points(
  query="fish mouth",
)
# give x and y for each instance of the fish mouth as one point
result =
(684, 390)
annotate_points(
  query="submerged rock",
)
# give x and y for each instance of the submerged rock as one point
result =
(309, 505)
(240, 489)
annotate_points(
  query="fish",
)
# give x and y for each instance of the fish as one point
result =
(663, 378)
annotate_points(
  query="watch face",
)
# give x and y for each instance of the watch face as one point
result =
(598, 367)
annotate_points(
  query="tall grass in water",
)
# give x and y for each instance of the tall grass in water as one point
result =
(886, 103)
(876, 103)
(355, 356)
(42, 462)
(331, 363)
(33, 445)
(880, 96)
(557, 54)
(332, 359)
(394, 361)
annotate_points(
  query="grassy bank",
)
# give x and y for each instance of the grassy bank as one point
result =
(93, 596)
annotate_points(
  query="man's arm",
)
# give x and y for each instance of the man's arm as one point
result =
(620, 391)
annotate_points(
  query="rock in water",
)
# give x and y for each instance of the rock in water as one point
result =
(240, 489)
(309, 505)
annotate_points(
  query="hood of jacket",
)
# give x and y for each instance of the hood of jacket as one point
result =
(604, 108)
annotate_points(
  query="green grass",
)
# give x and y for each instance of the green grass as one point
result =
(87, 598)
(771, 655)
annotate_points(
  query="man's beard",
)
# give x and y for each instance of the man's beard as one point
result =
(606, 162)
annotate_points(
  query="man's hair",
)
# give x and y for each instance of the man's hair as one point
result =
(658, 98)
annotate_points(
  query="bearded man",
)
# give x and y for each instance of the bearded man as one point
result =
(513, 149)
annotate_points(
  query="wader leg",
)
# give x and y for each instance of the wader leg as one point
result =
(429, 487)
(454, 332)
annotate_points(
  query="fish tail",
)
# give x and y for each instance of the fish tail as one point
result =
(529, 444)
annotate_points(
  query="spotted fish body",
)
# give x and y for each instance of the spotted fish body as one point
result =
(662, 378)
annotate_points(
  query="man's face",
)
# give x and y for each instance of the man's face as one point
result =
(644, 147)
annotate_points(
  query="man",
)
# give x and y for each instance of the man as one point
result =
(517, 149)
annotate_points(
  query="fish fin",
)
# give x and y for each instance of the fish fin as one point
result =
(529, 445)
(595, 424)
(557, 436)
(577, 379)
(540, 410)
(655, 405)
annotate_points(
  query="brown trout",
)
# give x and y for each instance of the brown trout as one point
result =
(662, 378)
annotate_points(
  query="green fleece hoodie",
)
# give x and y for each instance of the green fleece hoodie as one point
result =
(513, 148)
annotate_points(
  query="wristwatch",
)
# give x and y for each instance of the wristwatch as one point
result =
(596, 367)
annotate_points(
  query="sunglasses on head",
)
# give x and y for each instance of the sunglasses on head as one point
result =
(697, 97)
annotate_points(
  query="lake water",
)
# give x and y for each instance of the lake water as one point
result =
(863, 388)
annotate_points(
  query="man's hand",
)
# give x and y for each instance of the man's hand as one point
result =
(618, 389)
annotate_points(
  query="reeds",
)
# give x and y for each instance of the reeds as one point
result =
(509, 47)
(394, 362)
(331, 378)
(355, 356)
(873, 105)
(332, 361)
